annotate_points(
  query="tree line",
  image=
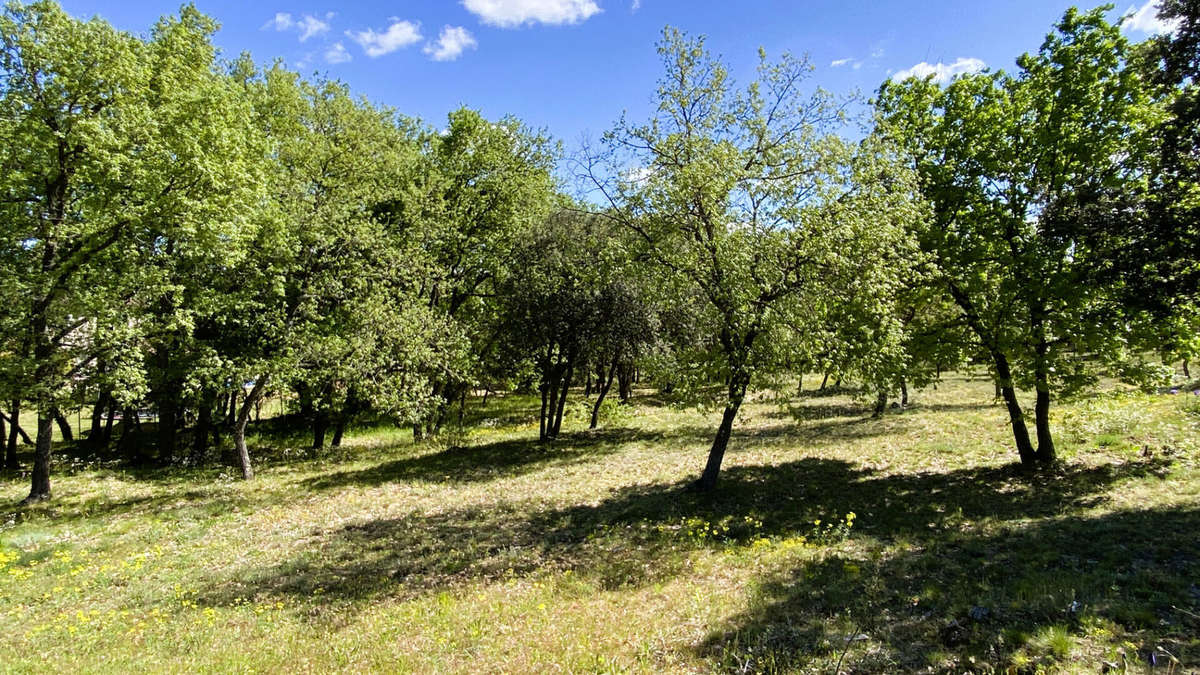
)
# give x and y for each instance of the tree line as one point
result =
(192, 235)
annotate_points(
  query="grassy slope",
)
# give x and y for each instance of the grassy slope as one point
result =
(498, 554)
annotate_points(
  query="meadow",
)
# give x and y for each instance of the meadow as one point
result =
(834, 543)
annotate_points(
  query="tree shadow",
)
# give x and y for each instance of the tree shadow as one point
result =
(823, 411)
(645, 533)
(963, 598)
(173, 502)
(500, 459)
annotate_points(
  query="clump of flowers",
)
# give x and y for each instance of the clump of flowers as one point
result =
(726, 530)
(833, 530)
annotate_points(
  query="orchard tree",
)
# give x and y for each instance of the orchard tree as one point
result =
(1162, 253)
(1005, 161)
(327, 295)
(570, 303)
(110, 149)
(481, 187)
(208, 168)
(751, 200)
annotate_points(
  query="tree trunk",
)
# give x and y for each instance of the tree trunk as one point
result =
(1015, 415)
(1046, 454)
(1041, 373)
(130, 443)
(338, 430)
(602, 389)
(1186, 373)
(64, 426)
(14, 429)
(880, 404)
(739, 380)
(799, 384)
(96, 430)
(824, 382)
(903, 393)
(545, 389)
(552, 371)
(562, 399)
(239, 429)
(39, 489)
(320, 425)
(625, 382)
(108, 423)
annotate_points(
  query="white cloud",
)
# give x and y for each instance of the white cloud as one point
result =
(281, 22)
(307, 25)
(1146, 20)
(398, 35)
(337, 53)
(841, 62)
(639, 175)
(451, 44)
(637, 4)
(310, 26)
(941, 72)
(513, 13)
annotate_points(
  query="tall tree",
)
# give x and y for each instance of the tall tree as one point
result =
(482, 187)
(1002, 160)
(753, 200)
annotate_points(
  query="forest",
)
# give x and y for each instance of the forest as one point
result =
(772, 380)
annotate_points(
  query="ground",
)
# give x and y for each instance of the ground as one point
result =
(834, 542)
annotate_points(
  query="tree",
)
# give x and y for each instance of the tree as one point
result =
(1005, 162)
(753, 201)
(113, 145)
(327, 295)
(1159, 251)
(570, 303)
(481, 187)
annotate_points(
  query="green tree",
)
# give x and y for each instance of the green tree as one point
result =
(327, 296)
(750, 199)
(570, 302)
(1005, 162)
(110, 150)
(481, 187)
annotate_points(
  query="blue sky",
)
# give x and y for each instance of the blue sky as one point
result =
(573, 66)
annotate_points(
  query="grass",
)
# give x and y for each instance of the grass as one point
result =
(835, 542)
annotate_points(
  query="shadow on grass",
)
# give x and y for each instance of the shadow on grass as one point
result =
(823, 411)
(501, 459)
(176, 500)
(1014, 598)
(965, 538)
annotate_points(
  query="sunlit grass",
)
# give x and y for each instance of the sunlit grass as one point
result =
(903, 543)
